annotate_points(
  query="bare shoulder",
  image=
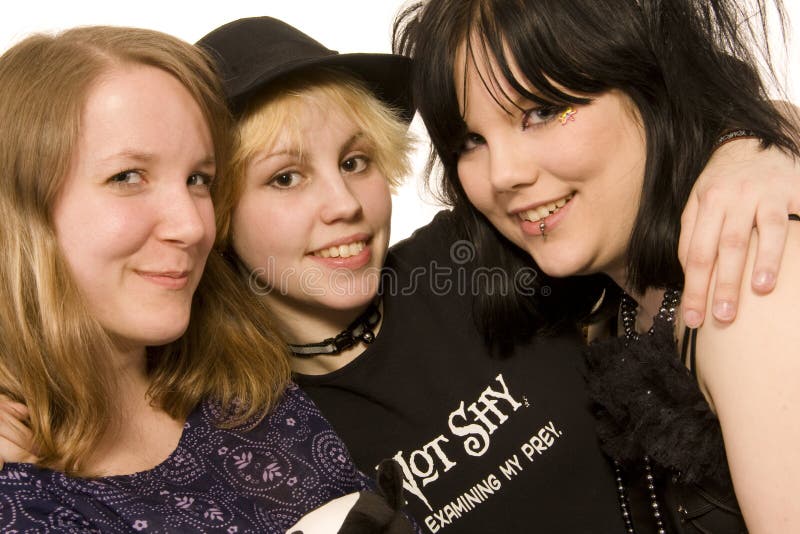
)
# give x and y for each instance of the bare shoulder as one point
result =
(767, 327)
(750, 371)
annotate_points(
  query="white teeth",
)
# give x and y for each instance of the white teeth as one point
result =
(541, 212)
(341, 251)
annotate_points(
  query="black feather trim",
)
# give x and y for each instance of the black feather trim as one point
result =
(648, 404)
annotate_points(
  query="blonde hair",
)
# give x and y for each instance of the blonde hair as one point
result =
(274, 114)
(55, 354)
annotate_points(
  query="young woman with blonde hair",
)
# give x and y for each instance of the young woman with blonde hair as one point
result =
(142, 418)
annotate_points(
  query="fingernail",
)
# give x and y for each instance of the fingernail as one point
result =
(764, 279)
(692, 318)
(723, 310)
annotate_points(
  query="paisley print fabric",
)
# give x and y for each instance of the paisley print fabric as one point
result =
(216, 480)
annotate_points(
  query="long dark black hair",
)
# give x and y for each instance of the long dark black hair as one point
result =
(690, 67)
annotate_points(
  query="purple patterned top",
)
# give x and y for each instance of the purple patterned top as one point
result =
(227, 481)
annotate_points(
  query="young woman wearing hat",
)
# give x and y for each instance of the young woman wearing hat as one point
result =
(484, 443)
(142, 418)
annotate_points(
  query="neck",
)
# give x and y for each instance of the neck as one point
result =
(129, 363)
(304, 325)
(649, 301)
(129, 444)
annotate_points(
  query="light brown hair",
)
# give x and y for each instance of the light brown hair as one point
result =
(55, 354)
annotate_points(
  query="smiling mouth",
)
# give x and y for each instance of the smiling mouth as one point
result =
(167, 279)
(545, 210)
(341, 251)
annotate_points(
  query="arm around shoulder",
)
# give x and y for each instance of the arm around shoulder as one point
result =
(750, 370)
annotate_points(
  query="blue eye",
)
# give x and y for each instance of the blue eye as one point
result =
(540, 115)
(285, 180)
(125, 178)
(471, 142)
(200, 179)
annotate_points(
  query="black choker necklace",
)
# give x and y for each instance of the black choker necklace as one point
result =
(358, 330)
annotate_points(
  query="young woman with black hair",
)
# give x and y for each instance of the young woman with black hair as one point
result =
(570, 134)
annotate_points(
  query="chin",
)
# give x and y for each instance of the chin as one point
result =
(348, 302)
(165, 332)
(562, 267)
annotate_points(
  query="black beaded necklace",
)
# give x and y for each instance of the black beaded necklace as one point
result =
(628, 311)
(360, 330)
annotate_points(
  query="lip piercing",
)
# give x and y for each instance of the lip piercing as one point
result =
(542, 227)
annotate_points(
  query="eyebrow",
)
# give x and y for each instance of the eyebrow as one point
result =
(208, 161)
(354, 140)
(347, 146)
(261, 158)
(129, 154)
(147, 157)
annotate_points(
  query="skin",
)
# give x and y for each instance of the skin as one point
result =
(717, 222)
(294, 208)
(512, 164)
(747, 370)
(135, 223)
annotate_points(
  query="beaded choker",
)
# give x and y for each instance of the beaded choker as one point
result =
(627, 311)
(666, 312)
(360, 330)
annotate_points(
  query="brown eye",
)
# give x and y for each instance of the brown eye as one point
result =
(354, 164)
(285, 180)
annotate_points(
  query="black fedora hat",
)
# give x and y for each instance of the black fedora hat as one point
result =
(253, 52)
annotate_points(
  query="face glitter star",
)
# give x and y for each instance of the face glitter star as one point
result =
(567, 115)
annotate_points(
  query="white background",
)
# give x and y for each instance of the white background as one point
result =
(343, 25)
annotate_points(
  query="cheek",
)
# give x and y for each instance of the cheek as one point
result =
(474, 184)
(206, 210)
(376, 199)
(93, 234)
(262, 230)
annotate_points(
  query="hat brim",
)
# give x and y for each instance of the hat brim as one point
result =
(387, 75)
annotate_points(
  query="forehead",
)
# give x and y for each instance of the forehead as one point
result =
(141, 91)
(141, 109)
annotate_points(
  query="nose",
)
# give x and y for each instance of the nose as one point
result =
(512, 168)
(340, 202)
(183, 217)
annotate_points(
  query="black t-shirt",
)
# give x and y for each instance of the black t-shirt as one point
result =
(486, 445)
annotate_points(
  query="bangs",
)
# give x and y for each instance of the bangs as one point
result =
(555, 45)
(484, 45)
(276, 117)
